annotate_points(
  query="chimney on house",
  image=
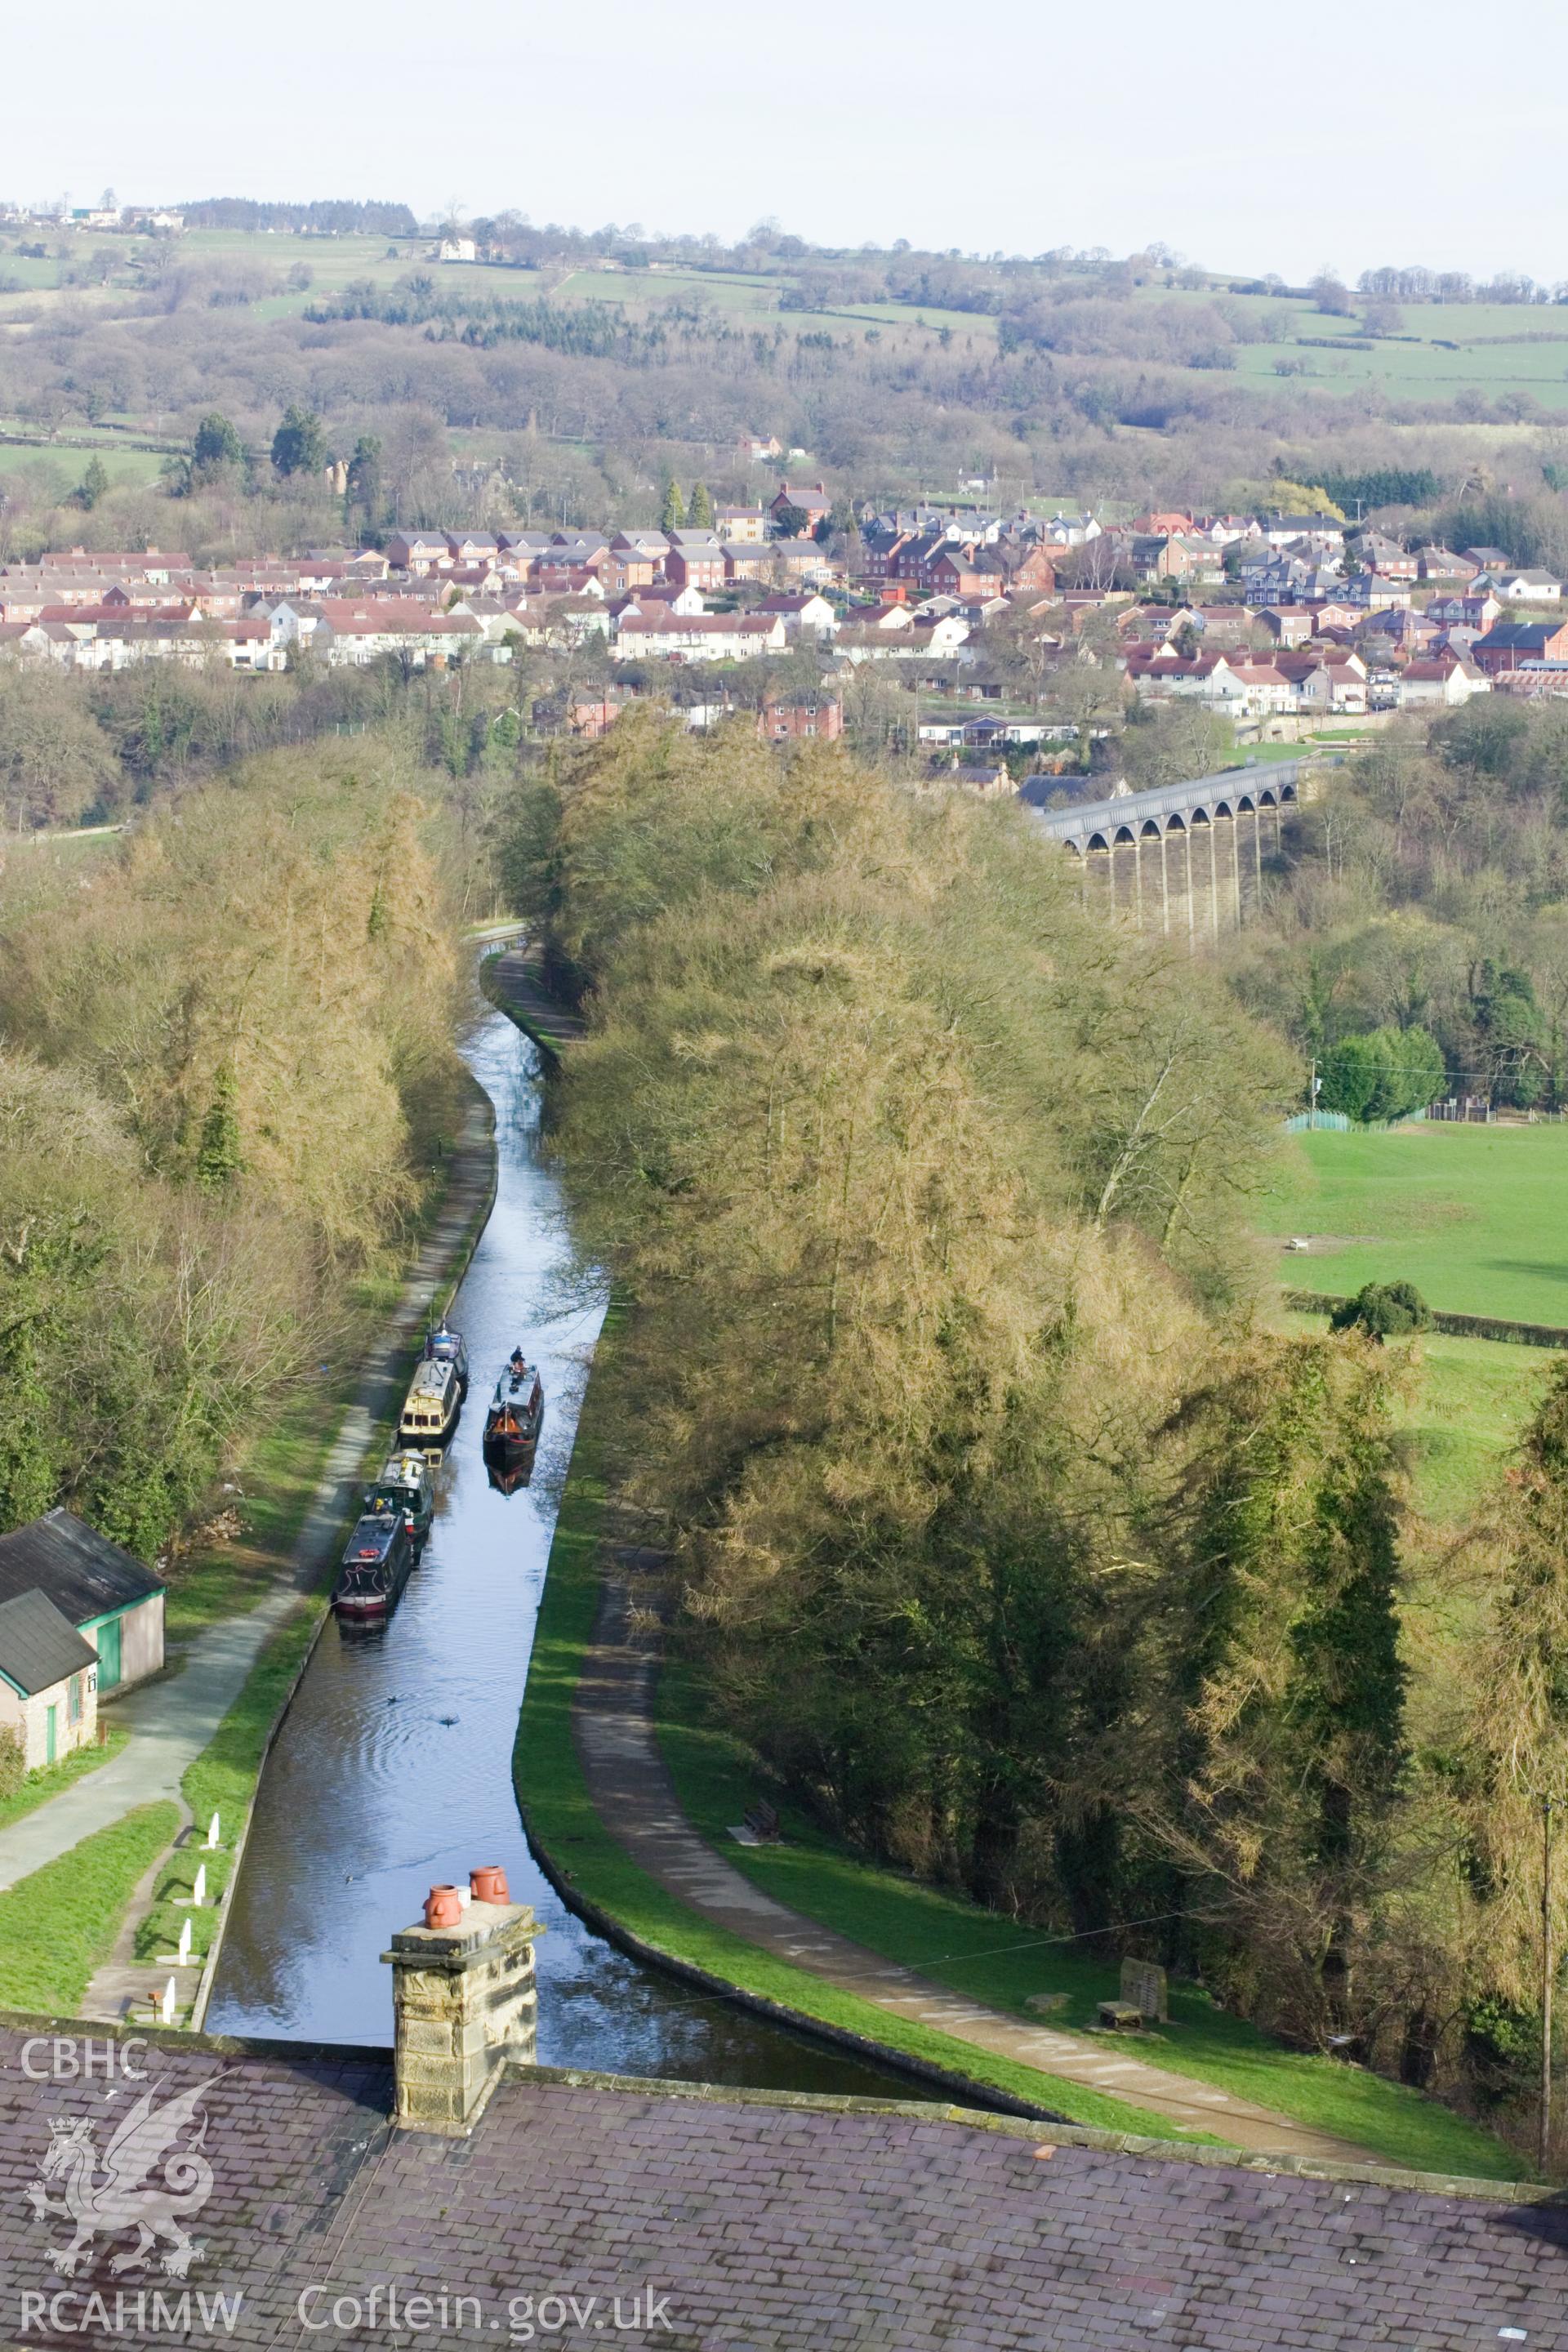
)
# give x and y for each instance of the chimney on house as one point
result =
(464, 2002)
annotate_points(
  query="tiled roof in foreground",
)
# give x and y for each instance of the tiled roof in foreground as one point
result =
(759, 2224)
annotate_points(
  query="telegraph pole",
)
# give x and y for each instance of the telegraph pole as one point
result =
(1546, 1976)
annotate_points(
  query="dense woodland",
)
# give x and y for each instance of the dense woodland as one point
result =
(947, 1380)
(226, 1074)
(1427, 893)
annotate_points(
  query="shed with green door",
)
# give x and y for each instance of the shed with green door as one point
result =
(48, 1682)
(114, 1603)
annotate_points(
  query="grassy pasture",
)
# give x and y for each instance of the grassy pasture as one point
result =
(642, 291)
(1472, 1215)
(18, 269)
(1465, 1404)
(1497, 350)
(123, 466)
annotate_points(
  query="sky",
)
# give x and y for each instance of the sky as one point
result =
(1247, 139)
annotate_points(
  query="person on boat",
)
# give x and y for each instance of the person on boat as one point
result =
(517, 1363)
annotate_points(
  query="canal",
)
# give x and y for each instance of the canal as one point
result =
(392, 1768)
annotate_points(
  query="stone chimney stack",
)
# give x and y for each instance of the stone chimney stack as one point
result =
(464, 2004)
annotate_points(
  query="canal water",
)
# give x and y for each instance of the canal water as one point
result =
(393, 1768)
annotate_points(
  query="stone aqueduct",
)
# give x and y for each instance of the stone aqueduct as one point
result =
(1184, 859)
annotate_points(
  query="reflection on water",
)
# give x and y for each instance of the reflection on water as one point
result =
(507, 1482)
(393, 1767)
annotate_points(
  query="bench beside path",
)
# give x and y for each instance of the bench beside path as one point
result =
(634, 1796)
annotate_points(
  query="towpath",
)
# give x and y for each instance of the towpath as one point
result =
(635, 1800)
(519, 984)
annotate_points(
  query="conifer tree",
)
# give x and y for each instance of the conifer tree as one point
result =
(218, 1160)
(673, 514)
(1285, 1656)
(94, 483)
(700, 513)
(1518, 1703)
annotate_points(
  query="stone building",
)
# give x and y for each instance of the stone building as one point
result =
(271, 2193)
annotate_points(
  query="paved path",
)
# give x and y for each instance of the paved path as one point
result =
(173, 1719)
(634, 1798)
(170, 1721)
(545, 1017)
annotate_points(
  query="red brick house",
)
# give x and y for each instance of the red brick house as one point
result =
(1512, 642)
(1033, 569)
(815, 503)
(801, 719)
(700, 566)
(956, 572)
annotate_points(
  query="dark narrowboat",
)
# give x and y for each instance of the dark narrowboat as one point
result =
(375, 1569)
(516, 1412)
(405, 1484)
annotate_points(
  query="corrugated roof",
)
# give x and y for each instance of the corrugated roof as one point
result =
(83, 1573)
(38, 1647)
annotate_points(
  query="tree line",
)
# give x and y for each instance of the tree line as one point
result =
(1419, 915)
(225, 1077)
(944, 1380)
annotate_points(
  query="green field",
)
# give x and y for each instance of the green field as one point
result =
(124, 467)
(1501, 346)
(1465, 1402)
(1473, 1215)
(1442, 349)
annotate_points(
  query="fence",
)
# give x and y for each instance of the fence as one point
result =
(1457, 1326)
(1341, 1123)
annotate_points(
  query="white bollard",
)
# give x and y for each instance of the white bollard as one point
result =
(199, 1891)
(211, 1832)
(184, 1953)
(166, 2006)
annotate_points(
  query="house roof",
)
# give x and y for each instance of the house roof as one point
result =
(1521, 636)
(38, 1647)
(83, 1573)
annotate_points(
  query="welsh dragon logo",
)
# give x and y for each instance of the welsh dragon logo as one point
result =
(119, 2195)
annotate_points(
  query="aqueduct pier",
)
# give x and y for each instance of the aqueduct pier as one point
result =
(1186, 859)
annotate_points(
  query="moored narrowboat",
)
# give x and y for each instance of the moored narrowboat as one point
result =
(374, 1569)
(445, 1345)
(434, 1401)
(516, 1410)
(405, 1484)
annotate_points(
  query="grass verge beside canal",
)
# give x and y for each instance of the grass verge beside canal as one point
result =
(223, 1781)
(563, 1824)
(973, 1952)
(58, 1926)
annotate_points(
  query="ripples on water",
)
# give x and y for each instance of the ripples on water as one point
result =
(393, 1767)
